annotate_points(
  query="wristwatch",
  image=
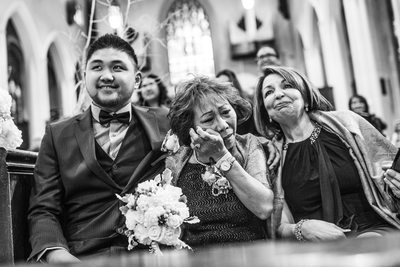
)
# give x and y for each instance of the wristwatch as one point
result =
(226, 162)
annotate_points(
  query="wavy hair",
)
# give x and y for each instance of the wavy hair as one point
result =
(311, 96)
(198, 90)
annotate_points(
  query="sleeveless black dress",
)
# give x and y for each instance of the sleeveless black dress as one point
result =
(321, 182)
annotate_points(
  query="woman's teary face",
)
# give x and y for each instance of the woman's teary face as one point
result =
(281, 100)
(219, 116)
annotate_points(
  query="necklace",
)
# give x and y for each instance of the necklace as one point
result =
(313, 137)
(213, 177)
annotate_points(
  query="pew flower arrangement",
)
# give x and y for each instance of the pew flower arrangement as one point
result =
(10, 135)
(155, 213)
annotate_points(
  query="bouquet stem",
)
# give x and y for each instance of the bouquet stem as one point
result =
(155, 248)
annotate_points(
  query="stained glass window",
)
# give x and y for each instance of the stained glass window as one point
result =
(189, 41)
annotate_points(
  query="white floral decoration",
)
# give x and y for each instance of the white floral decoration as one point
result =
(154, 214)
(170, 143)
(10, 135)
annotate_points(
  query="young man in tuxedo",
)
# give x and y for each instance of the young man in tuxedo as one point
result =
(85, 160)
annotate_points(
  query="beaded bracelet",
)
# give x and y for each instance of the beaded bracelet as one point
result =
(297, 230)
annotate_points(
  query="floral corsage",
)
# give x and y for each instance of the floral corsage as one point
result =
(170, 143)
(154, 214)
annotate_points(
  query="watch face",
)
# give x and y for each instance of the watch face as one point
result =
(225, 166)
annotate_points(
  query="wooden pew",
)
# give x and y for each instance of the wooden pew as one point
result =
(16, 180)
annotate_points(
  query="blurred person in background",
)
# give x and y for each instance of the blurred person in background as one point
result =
(395, 139)
(267, 56)
(153, 92)
(359, 105)
(247, 126)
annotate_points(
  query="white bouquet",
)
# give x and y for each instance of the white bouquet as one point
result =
(10, 135)
(154, 214)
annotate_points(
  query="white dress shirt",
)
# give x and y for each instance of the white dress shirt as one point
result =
(110, 137)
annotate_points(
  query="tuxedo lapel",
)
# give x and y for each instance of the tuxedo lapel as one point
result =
(151, 126)
(85, 137)
(155, 134)
(144, 166)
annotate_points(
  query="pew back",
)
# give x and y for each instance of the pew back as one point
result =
(16, 180)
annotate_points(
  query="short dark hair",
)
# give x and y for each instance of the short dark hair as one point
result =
(111, 41)
(311, 96)
(362, 100)
(201, 88)
(162, 98)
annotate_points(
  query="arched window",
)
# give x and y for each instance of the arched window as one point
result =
(189, 41)
(16, 82)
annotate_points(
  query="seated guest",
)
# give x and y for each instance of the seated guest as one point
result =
(229, 76)
(231, 207)
(359, 105)
(327, 176)
(85, 160)
(153, 93)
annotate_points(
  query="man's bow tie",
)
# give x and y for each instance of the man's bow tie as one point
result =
(105, 118)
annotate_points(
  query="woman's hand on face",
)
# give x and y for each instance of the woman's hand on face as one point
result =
(318, 230)
(207, 144)
(392, 179)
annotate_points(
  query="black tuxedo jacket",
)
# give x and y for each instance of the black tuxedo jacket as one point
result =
(73, 203)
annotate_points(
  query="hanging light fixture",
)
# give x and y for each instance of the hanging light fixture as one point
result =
(248, 4)
(115, 16)
(250, 19)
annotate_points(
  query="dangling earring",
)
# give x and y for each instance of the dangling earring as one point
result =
(306, 108)
(270, 120)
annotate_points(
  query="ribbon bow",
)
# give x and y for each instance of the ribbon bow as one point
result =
(105, 117)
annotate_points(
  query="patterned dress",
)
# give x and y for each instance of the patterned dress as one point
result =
(223, 218)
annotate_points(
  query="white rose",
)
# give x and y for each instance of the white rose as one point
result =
(151, 216)
(146, 187)
(169, 194)
(131, 200)
(156, 232)
(174, 221)
(141, 235)
(171, 236)
(10, 137)
(130, 221)
(143, 203)
(181, 209)
(5, 102)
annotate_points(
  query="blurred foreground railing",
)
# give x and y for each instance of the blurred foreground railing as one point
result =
(367, 252)
(16, 178)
